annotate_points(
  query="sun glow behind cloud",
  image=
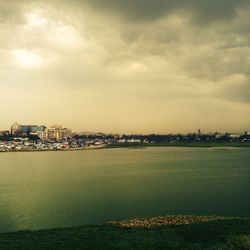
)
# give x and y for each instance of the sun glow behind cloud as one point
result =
(34, 19)
(172, 67)
(50, 28)
(27, 59)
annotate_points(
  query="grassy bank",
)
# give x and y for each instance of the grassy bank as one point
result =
(174, 232)
(179, 144)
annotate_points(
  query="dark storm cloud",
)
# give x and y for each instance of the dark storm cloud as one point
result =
(201, 11)
(145, 10)
(135, 57)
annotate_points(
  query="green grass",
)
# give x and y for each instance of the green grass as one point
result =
(221, 233)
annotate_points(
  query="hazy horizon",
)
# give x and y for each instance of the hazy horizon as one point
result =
(80, 131)
(115, 66)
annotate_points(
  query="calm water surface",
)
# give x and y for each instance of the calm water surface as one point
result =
(61, 189)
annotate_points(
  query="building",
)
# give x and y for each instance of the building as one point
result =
(15, 128)
(235, 135)
(56, 132)
(4, 133)
(18, 129)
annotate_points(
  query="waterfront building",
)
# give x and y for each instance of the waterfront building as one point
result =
(234, 135)
(18, 129)
(42, 135)
(4, 133)
(56, 132)
(15, 128)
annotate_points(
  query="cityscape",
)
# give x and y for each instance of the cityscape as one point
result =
(124, 124)
(56, 137)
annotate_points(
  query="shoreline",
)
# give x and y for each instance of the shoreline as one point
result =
(49, 150)
(168, 232)
(142, 146)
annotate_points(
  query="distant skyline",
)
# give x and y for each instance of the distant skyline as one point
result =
(118, 132)
(116, 66)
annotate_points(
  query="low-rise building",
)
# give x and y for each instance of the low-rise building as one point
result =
(56, 132)
(18, 129)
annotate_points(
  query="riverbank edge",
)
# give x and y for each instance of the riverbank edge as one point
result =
(181, 144)
(145, 145)
(189, 232)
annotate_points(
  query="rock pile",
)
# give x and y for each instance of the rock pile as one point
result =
(171, 220)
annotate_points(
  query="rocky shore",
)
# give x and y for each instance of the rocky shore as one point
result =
(168, 232)
(171, 220)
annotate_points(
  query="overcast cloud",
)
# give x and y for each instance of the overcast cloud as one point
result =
(126, 66)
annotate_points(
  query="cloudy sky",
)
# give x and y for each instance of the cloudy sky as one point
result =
(126, 66)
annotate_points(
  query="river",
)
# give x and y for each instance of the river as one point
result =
(41, 190)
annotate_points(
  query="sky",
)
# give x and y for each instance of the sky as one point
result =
(134, 66)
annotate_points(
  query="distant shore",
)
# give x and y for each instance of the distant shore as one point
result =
(144, 145)
(180, 144)
(168, 232)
